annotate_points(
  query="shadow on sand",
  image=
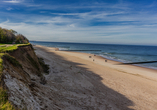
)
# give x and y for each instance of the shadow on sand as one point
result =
(97, 96)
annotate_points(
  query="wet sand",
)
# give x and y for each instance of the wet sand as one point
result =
(92, 83)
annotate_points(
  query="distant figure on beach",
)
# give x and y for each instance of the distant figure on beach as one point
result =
(94, 55)
(56, 49)
(93, 59)
(90, 56)
(105, 60)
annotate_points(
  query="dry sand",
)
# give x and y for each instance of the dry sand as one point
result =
(83, 84)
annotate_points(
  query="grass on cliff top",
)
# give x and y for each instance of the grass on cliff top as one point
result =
(4, 103)
(10, 47)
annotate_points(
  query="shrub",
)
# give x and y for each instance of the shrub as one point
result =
(12, 60)
(11, 36)
(44, 66)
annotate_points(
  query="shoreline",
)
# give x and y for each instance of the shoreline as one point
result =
(127, 86)
(118, 65)
(138, 65)
(111, 60)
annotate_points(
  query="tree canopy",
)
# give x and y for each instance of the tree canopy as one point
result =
(12, 37)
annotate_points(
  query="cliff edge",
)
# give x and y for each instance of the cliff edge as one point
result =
(22, 79)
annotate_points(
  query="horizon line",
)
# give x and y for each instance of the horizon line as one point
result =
(95, 43)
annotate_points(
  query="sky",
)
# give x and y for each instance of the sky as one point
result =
(83, 21)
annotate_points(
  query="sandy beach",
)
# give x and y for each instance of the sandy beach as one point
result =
(79, 82)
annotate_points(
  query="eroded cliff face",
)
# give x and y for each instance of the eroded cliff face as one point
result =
(23, 78)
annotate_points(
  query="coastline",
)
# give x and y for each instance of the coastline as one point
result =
(137, 84)
(115, 64)
(120, 66)
(143, 56)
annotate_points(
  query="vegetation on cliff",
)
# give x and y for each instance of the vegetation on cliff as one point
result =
(9, 41)
(12, 37)
(4, 103)
(4, 50)
(10, 47)
(18, 61)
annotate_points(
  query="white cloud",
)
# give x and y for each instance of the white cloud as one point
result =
(9, 9)
(72, 25)
(13, 1)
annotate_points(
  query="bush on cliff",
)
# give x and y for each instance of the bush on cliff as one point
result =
(12, 37)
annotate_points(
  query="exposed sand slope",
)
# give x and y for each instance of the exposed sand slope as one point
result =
(77, 82)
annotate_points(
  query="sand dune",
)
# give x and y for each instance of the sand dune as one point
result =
(82, 83)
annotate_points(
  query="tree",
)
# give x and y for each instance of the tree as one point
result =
(11, 36)
(13, 31)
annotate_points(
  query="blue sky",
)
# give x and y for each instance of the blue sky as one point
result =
(85, 21)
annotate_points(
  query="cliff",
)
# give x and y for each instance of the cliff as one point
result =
(22, 79)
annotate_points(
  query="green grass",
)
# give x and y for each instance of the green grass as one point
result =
(8, 48)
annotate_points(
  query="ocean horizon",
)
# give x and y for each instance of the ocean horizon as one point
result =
(117, 52)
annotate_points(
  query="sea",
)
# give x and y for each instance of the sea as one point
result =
(122, 53)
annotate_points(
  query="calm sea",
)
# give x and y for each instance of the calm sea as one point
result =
(122, 53)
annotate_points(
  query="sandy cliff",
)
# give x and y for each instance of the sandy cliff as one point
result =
(22, 76)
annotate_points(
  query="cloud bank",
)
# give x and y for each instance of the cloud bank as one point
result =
(119, 22)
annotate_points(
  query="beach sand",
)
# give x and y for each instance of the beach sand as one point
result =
(84, 83)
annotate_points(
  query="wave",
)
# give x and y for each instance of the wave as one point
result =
(116, 53)
(63, 49)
